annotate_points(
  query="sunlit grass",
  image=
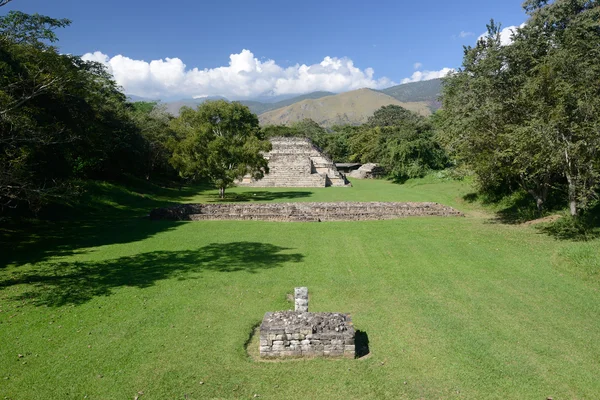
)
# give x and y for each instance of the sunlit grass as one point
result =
(465, 308)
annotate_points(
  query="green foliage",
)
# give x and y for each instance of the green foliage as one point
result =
(526, 115)
(401, 141)
(220, 141)
(391, 115)
(153, 121)
(20, 28)
(63, 119)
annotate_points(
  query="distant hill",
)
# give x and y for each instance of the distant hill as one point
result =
(174, 106)
(133, 98)
(352, 108)
(259, 107)
(427, 91)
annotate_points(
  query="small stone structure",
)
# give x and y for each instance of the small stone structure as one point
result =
(300, 333)
(367, 171)
(302, 212)
(346, 168)
(297, 162)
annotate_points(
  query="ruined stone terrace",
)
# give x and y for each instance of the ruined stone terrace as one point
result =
(303, 212)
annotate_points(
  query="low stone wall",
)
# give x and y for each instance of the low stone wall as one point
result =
(304, 334)
(303, 212)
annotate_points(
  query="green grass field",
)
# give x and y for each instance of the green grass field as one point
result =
(109, 305)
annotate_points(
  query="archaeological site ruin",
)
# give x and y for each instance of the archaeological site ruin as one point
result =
(297, 162)
(300, 333)
(302, 212)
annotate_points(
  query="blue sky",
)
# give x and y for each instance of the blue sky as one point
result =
(152, 47)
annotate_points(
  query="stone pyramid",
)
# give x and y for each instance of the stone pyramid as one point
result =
(297, 162)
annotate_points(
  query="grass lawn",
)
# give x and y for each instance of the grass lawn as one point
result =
(109, 305)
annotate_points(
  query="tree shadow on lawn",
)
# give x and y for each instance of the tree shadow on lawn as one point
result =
(104, 215)
(258, 196)
(60, 283)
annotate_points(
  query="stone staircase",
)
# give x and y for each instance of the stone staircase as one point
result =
(296, 162)
(303, 212)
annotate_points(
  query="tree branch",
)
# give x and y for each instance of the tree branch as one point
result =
(4, 2)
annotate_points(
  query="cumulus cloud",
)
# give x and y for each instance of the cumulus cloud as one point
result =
(244, 77)
(428, 75)
(505, 34)
(417, 65)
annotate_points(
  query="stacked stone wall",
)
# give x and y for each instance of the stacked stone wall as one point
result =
(304, 334)
(303, 212)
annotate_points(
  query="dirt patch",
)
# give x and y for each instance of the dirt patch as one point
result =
(549, 218)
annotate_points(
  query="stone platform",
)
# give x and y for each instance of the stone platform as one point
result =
(304, 334)
(303, 212)
(297, 162)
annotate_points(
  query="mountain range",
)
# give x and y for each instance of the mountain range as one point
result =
(330, 109)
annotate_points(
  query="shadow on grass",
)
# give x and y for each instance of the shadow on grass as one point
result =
(361, 343)
(104, 214)
(57, 284)
(262, 195)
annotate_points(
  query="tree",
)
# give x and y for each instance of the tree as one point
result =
(153, 120)
(391, 115)
(60, 117)
(220, 141)
(527, 114)
(4, 2)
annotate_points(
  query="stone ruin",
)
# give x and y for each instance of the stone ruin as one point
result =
(367, 171)
(302, 212)
(297, 162)
(301, 333)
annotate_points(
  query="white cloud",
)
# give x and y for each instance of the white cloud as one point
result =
(505, 34)
(417, 65)
(464, 34)
(427, 75)
(244, 77)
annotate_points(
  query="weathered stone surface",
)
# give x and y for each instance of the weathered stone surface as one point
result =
(302, 212)
(331, 334)
(367, 171)
(297, 162)
(301, 299)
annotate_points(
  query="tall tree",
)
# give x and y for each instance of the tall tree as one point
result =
(60, 117)
(220, 141)
(527, 114)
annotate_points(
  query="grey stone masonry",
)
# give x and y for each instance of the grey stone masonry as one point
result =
(297, 162)
(304, 334)
(303, 212)
(301, 299)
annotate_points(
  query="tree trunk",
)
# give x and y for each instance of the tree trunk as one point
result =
(572, 196)
(221, 192)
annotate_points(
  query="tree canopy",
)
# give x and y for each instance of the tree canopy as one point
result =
(528, 114)
(220, 141)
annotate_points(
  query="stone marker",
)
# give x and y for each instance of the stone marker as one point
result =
(304, 334)
(301, 299)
